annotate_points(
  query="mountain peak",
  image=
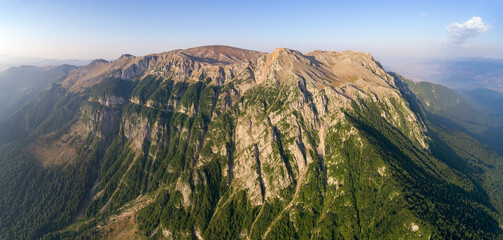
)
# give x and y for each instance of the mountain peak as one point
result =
(219, 54)
(125, 55)
(98, 61)
(286, 52)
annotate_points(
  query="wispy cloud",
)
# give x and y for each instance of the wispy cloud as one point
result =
(460, 32)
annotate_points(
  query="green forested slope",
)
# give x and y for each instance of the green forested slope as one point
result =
(18, 85)
(454, 110)
(37, 200)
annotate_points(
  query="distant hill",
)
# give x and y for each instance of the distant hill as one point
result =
(20, 84)
(7, 62)
(488, 99)
(478, 112)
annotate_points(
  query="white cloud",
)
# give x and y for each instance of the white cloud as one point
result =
(460, 32)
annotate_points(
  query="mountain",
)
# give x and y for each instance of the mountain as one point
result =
(7, 62)
(18, 85)
(487, 99)
(218, 142)
(476, 112)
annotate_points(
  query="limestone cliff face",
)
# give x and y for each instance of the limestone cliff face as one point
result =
(218, 62)
(214, 124)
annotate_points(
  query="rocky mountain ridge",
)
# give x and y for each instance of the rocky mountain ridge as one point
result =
(220, 142)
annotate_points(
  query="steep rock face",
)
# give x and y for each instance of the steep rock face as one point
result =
(182, 65)
(219, 142)
(267, 129)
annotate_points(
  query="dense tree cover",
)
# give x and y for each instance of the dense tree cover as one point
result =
(36, 200)
(112, 87)
(435, 189)
(28, 118)
(449, 108)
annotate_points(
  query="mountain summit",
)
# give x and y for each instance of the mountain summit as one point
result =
(218, 54)
(218, 142)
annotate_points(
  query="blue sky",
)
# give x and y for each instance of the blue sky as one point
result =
(106, 29)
